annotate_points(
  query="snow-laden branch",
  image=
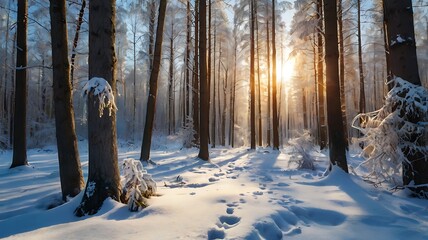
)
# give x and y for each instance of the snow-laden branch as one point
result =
(389, 134)
(101, 88)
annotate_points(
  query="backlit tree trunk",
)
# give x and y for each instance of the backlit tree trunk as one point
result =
(337, 146)
(103, 174)
(151, 102)
(204, 110)
(68, 154)
(275, 122)
(20, 110)
(252, 81)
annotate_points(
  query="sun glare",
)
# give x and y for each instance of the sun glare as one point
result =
(285, 71)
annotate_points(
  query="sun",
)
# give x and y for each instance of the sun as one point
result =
(285, 71)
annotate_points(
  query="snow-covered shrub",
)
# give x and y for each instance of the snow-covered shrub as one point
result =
(302, 145)
(101, 88)
(138, 185)
(390, 131)
(186, 134)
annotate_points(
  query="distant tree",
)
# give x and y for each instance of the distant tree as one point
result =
(68, 154)
(203, 87)
(103, 176)
(398, 16)
(337, 147)
(151, 103)
(21, 93)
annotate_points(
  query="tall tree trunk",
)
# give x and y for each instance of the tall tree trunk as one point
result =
(151, 102)
(320, 77)
(259, 84)
(204, 111)
(103, 174)
(12, 94)
(171, 118)
(252, 81)
(218, 92)
(195, 84)
(76, 40)
(223, 118)
(342, 69)
(20, 109)
(187, 82)
(360, 62)
(403, 62)
(275, 122)
(334, 114)
(268, 133)
(68, 154)
(214, 122)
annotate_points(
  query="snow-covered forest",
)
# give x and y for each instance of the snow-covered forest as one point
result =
(213, 119)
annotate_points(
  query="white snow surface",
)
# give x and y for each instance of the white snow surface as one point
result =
(239, 194)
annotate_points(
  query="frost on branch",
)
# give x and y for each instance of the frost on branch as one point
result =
(138, 185)
(391, 133)
(101, 88)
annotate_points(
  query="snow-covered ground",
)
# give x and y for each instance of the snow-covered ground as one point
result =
(239, 194)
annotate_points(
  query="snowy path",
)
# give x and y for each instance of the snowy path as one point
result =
(240, 194)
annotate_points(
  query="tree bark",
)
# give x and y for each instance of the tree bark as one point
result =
(204, 111)
(195, 83)
(20, 110)
(68, 154)
(268, 133)
(342, 70)
(103, 174)
(337, 146)
(171, 102)
(151, 102)
(320, 77)
(76, 40)
(252, 81)
(275, 122)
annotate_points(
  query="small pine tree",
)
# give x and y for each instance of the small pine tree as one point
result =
(138, 185)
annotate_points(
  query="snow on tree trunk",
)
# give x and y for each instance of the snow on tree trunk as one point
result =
(103, 171)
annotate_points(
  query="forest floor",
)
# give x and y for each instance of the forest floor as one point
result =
(239, 194)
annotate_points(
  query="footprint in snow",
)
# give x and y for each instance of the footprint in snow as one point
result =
(216, 234)
(228, 221)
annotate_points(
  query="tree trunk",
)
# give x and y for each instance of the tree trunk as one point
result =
(252, 81)
(334, 114)
(275, 122)
(259, 84)
(214, 122)
(171, 118)
(403, 62)
(20, 109)
(76, 40)
(268, 133)
(342, 70)
(204, 111)
(195, 83)
(362, 102)
(320, 77)
(68, 154)
(187, 82)
(151, 102)
(103, 174)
